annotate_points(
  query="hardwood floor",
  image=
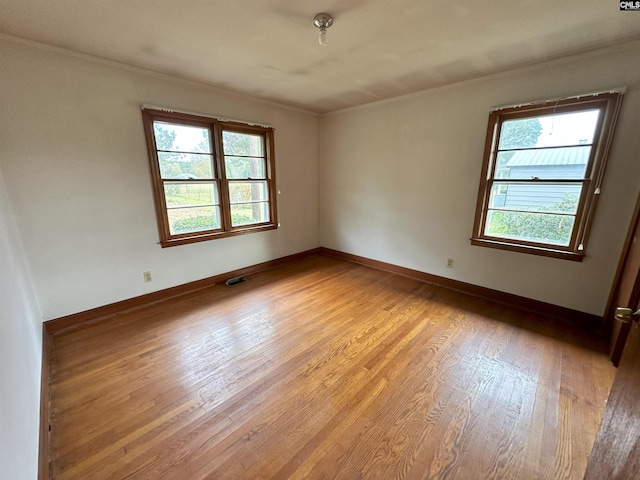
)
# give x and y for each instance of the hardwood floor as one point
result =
(325, 369)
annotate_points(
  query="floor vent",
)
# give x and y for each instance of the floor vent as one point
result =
(235, 281)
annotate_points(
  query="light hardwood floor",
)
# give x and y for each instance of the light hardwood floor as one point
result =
(325, 369)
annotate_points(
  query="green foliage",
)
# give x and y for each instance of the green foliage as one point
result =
(235, 143)
(182, 165)
(194, 224)
(548, 228)
(164, 137)
(198, 224)
(240, 167)
(544, 228)
(240, 192)
(169, 169)
(241, 219)
(192, 194)
(520, 133)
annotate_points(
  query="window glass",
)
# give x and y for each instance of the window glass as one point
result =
(189, 194)
(553, 130)
(187, 220)
(541, 171)
(544, 163)
(242, 144)
(185, 165)
(245, 167)
(182, 138)
(211, 178)
(531, 227)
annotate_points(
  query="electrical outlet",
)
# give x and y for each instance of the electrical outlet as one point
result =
(449, 262)
(146, 276)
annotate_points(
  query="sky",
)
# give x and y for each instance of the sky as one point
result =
(568, 128)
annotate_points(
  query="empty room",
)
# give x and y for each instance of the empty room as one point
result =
(319, 240)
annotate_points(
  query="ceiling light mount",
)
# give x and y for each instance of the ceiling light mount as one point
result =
(322, 21)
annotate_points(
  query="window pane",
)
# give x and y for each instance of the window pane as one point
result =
(549, 130)
(536, 196)
(244, 167)
(242, 144)
(241, 192)
(185, 165)
(248, 213)
(556, 163)
(184, 194)
(181, 138)
(187, 220)
(521, 133)
(533, 227)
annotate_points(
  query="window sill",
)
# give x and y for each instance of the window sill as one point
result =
(173, 242)
(533, 250)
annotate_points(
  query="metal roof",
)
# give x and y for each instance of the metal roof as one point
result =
(550, 157)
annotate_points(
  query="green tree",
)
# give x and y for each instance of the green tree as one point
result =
(165, 138)
(538, 227)
(520, 133)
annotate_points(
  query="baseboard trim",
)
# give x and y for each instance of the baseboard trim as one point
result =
(77, 319)
(50, 327)
(593, 322)
(43, 447)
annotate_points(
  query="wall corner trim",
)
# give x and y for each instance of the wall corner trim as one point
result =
(43, 441)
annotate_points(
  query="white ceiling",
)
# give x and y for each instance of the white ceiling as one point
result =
(377, 49)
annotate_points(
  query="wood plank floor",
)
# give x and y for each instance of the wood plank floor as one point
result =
(325, 369)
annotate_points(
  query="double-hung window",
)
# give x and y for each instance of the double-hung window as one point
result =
(211, 178)
(541, 176)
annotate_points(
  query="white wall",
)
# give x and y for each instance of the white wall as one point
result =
(76, 170)
(399, 180)
(20, 355)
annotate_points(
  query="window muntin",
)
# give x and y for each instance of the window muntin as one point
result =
(245, 164)
(541, 174)
(211, 178)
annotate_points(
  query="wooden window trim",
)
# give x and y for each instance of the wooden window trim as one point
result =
(609, 104)
(216, 127)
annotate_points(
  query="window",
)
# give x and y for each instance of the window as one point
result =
(211, 178)
(541, 176)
